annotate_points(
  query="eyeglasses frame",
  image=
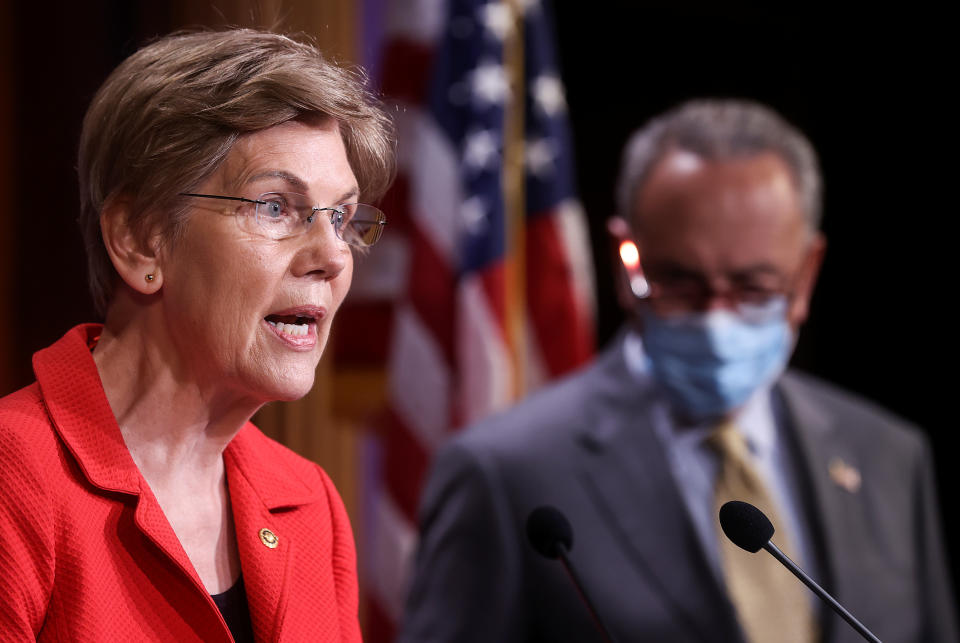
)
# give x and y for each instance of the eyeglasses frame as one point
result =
(334, 212)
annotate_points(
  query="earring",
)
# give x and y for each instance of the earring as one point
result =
(149, 277)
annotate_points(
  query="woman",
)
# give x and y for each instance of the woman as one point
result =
(219, 175)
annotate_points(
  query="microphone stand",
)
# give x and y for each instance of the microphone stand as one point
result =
(819, 591)
(572, 575)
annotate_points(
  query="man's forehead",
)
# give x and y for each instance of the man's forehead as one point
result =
(683, 184)
(720, 216)
(681, 162)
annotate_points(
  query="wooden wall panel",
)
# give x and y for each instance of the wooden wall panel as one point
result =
(332, 23)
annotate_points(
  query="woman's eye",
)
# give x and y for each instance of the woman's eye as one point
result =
(349, 212)
(277, 208)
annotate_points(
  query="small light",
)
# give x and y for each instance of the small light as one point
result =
(629, 255)
(639, 286)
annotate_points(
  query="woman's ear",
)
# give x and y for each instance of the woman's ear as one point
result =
(134, 254)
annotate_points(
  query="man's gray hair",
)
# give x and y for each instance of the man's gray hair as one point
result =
(720, 130)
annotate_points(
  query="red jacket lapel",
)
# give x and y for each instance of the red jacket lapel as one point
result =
(258, 493)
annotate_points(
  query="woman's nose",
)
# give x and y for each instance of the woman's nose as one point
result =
(321, 252)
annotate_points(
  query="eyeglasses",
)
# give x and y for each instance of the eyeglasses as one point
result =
(280, 215)
(670, 295)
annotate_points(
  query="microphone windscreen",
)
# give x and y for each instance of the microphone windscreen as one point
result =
(745, 525)
(548, 530)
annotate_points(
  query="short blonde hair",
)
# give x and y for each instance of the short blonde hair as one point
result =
(167, 117)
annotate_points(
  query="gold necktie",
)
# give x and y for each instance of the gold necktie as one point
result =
(772, 606)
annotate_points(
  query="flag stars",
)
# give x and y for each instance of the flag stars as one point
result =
(497, 18)
(548, 94)
(489, 84)
(540, 155)
(473, 213)
(480, 150)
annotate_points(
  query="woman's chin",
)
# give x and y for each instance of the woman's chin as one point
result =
(286, 388)
(290, 396)
(293, 393)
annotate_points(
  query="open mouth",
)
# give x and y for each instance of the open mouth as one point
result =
(295, 325)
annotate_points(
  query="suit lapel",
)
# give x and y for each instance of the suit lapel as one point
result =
(630, 479)
(829, 463)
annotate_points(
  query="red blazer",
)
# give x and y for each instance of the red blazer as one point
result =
(86, 554)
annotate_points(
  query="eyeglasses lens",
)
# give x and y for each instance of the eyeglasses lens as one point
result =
(281, 215)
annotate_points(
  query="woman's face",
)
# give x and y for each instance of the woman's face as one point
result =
(228, 293)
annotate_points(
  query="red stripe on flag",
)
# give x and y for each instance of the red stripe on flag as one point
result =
(359, 338)
(406, 71)
(396, 205)
(361, 334)
(405, 465)
(431, 291)
(559, 323)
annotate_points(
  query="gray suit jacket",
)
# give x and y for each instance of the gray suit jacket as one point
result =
(587, 446)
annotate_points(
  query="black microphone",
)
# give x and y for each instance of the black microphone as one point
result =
(748, 528)
(550, 533)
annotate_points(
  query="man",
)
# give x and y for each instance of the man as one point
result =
(690, 407)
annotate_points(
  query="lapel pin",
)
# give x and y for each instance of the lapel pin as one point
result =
(844, 475)
(268, 538)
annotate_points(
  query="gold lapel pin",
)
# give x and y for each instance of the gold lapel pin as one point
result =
(845, 475)
(268, 538)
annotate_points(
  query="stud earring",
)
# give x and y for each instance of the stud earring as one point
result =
(149, 277)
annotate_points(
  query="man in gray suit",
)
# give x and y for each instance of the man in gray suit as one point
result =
(719, 204)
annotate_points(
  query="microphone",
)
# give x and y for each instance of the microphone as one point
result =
(550, 533)
(748, 528)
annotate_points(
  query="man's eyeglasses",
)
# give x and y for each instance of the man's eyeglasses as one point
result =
(752, 301)
(280, 215)
(671, 291)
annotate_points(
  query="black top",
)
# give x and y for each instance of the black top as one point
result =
(236, 611)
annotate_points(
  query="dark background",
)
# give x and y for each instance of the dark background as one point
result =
(871, 91)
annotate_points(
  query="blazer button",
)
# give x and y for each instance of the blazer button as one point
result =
(268, 538)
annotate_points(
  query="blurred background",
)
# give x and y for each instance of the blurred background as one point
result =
(877, 109)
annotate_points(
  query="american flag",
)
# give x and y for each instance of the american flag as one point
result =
(498, 294)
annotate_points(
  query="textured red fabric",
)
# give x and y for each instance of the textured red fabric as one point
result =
(86, 554)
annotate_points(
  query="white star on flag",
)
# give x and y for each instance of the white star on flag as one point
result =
(540, 154)
(548, 95)
(489, 83)
(480, 150)
(474, 214)
(498, 19)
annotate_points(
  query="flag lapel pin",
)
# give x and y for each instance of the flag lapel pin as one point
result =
(844, 475)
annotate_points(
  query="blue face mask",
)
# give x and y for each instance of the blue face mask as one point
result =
(711, 363)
